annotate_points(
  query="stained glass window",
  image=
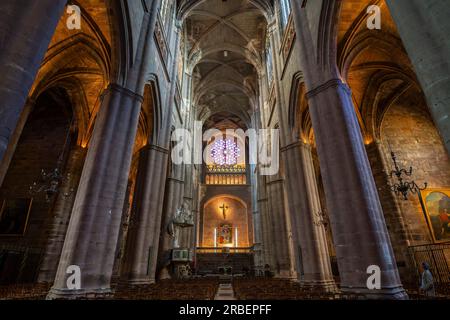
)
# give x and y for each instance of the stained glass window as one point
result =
(225, 152)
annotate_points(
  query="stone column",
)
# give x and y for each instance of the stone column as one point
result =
(357, 221)
(424, 27)
(143, 236)
(258, 246)
(93, 231)
(309, 246)
(26, 29)
(257, 229)
(61, 215)
(14, 139)
(279, 227)
(185, 175)
(266, 233)
(266, 224)
(173, 201)
(398, 230)
(314, 268)
(144, 240)
(358, 225)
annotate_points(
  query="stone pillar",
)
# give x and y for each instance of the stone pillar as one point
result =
(258, 250)
(143, 236)
(26, 29)
(266, 233)
(279, 227)
(257, 221)
(398, 230)
(144, 240)
(268, 256)
(358, 226)
(173, 201)
(424, 27)
(61, 215)
(314, 268)
(92, 237)
(121, 243)
(93, 231)
(14, 139)
(257, 246)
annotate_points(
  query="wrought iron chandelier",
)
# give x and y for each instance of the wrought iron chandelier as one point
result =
(404, 187)
(50, 183)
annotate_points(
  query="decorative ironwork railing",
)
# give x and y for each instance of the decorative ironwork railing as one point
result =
(438, 257)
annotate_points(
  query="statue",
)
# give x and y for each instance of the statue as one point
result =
(184, 271)
(183, 218)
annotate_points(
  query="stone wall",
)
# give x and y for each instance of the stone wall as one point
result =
(408, 130)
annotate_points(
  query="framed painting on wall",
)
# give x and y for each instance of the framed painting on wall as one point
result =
(226, 234)
(14, 215)
(436, 204)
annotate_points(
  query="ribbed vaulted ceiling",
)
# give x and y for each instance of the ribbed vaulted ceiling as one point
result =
(225, 51)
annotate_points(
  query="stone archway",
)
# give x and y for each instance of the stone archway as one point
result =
(226, 223)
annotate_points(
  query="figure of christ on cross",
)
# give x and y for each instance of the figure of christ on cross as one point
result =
(224, 211)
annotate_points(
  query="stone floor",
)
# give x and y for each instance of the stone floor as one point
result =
(225, 292)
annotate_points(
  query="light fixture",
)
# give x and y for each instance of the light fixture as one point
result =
(50, 183)
(403, 188)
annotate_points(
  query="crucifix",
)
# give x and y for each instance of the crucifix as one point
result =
(224, 210)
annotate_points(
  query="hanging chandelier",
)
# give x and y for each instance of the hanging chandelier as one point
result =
(49, 183)
(404, 187)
